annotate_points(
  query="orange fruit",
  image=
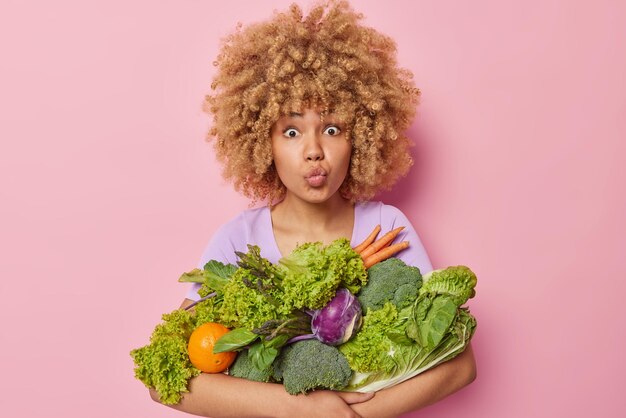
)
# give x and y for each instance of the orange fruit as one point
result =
(200, 348)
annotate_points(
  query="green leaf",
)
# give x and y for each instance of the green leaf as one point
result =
(418, 314)
(399, 337)
(262, 356)
(194, 276)
(421, 307)
(278, 341)
(429, 329)
(234, 340)
(217, 274)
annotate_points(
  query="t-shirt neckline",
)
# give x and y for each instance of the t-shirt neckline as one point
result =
(272, 238)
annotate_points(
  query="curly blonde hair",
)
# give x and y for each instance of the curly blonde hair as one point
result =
(326, 60)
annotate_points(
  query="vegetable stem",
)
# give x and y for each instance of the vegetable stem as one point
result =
(209, 296)
(300, 338)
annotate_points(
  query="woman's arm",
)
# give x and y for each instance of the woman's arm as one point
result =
(220, 395)
(422, 390)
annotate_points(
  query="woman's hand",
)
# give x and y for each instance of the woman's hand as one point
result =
(325, 404)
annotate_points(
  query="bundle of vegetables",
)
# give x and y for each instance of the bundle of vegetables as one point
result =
(293, 322)
(264, 304)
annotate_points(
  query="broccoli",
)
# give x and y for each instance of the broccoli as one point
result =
(243, 367)
(311, 364)
(390, 281)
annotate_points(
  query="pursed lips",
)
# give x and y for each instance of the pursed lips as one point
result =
(317, 171)
(316, 177)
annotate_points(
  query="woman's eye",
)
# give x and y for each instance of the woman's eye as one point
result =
(332, 130)
(290, 133)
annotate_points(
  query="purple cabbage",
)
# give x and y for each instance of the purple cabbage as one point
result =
(339, 320)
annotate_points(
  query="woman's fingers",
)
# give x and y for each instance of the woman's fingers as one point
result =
(327, 403)
(355, 397)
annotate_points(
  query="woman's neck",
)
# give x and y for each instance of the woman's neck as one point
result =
(294, 219)
(321, 213)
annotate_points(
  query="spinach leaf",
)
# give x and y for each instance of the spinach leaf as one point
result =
(234, 340)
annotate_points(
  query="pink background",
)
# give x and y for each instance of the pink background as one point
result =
(109, 191)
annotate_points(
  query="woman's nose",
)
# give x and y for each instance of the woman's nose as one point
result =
(314, 151)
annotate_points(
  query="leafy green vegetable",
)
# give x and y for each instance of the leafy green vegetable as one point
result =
(234, 340)
(193, 276)
(409, 360)
(432, 316)
(249, 301)
(457, 281)
(213, 276)
(164, 363)
(218, 271)
(390, 281)
(395, 345)
(368, 350)
(176, 323)
(217, 275)
(263, 353)
(307, 365)
(345, 264)
(435, 309)
(312, 273)
(209, 310)
(243, 367)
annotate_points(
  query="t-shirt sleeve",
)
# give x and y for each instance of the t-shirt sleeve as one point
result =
(221, 247)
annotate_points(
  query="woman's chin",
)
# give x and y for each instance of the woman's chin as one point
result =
(315, 195)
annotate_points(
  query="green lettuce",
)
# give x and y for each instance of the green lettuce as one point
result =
(164, 363)
(431, 319)
(312, 273)
(457, 282)
(409, 360)
(245, 306)
(369, 350)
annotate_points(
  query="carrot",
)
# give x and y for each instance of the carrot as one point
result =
(370, 238)
(386, 239)
(385, 253)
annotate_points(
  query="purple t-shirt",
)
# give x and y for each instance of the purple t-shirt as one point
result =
(254, 226)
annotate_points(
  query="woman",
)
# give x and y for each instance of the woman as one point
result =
(309, 116)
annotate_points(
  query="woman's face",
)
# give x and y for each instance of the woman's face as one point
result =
(311, 157)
